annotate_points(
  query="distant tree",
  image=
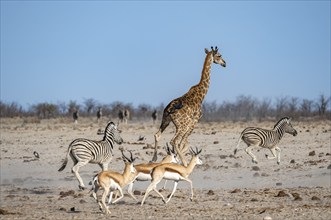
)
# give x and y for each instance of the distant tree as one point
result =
(10, 109)
(292, 106)
(89, 105)
(45, 110)
(226, 111)
(281, 106)
(244, 107)
(209, 111)
(322, 104)
(62, 107)
(263, 109)
(143, 111)
(306, 107)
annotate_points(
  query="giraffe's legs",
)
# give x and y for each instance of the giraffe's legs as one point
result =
(176, 143)
(184, 145)
(157, 137)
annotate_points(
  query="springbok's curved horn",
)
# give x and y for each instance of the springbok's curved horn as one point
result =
(131, 157)
(124, 157)
(191, 151)
(168, 149)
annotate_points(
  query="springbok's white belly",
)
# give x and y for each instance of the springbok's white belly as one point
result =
(143, 177)
(172, 176)
(113, 185)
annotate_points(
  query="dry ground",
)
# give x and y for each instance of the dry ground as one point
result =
(225, 187)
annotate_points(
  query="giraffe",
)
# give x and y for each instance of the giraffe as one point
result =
(185, 111)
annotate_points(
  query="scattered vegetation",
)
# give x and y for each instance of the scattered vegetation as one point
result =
(244, 108)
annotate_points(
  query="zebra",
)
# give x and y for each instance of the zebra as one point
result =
(99, 114)
(154, 116)
(258, 137)
(84, 151)
(75, 115)
(124, 115)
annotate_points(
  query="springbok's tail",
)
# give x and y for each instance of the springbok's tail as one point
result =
(235, 150)
(64, 164)
(94, 183)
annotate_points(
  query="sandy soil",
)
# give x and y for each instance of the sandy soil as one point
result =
(225, 187)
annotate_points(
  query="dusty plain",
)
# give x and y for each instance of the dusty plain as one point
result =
(225, 187)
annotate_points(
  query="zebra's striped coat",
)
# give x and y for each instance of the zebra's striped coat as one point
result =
(84, 151)
(259, 137)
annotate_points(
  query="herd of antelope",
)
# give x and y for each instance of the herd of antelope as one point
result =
(184, 112)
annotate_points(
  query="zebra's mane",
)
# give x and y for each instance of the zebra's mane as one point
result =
(281, 121)
(107, 130)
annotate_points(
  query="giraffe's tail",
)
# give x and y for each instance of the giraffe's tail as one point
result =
(171, 108)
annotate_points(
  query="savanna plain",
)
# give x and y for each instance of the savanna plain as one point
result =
(225, 186)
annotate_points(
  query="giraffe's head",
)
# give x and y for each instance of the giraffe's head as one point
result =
(217, 57)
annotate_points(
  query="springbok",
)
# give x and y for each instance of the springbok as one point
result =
(143, 171)
(175, 172)
(112, 181)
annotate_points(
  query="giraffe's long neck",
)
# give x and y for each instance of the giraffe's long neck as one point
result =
(203, 85)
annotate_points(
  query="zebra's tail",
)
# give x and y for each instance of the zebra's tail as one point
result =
(236, 150)
(64, 164)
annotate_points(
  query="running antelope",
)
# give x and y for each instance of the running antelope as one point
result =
(113, 181)
(143, 171)
(175, 172)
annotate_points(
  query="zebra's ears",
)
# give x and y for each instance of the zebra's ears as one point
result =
(289, 120)
(111, 123)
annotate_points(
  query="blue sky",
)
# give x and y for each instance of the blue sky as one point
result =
(151, 52)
